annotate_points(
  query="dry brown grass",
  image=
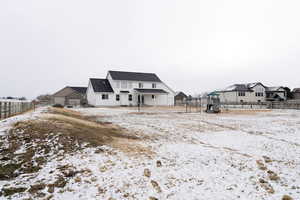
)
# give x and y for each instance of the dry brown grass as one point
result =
(58, 133)
(244, 111)
(65, 112)
(75, 114)
(74, 128)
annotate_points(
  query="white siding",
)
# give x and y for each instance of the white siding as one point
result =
(111, 101)
(90, 95)
(118, 86)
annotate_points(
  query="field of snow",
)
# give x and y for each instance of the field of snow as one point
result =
(194, 156)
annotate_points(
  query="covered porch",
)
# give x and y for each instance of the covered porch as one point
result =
(151, 97)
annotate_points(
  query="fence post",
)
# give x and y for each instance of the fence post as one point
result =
(5, 109)
(9, 109)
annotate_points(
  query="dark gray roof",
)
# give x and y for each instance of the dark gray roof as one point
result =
(238, 87)
(242, 87)
(101, 85)
(296, 90)
(180, 94)
(134, 76)
(81, 90)
(150, 90)
(273, 89)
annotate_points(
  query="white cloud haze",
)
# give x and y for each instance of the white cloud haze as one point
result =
(192, 45)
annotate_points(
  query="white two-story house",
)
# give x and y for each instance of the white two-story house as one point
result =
(129, 89)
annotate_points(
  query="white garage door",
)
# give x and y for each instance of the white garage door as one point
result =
(59, 100)
(74, 102)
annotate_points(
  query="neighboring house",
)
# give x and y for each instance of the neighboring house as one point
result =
(129, 88)
(296, 93)
(251, 92)
(276, 94)
(180, 98)
(73, 96)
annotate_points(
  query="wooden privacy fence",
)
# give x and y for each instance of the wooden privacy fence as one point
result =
(9, 108)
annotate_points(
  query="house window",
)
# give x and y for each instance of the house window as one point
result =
(130, 97)
(153, 96)
(153, 85)
(104, 96)
(129, 85)
(124, 84)
(117, 97)
(141, 85)
(259, 94)
(242, 94)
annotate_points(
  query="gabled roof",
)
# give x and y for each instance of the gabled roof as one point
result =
(237, 87)
(81, 90)
(273, 89)
(242, 87)
(134, 76)
(70, 90)
(179, 93)
(101, 85)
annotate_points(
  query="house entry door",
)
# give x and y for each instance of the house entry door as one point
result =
(124, 99)
(141, 99)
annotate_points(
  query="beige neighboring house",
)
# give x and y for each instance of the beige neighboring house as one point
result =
(73, 96)
(252, 93)
(240, 93)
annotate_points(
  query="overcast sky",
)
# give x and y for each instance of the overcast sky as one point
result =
(192, 45)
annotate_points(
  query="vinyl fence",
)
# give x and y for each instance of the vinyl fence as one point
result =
(201, 103)
(285, 105)
(9, 108)
(263, 105)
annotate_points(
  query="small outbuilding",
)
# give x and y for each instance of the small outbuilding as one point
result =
(180, 98)
(296, 93)
(70, 96)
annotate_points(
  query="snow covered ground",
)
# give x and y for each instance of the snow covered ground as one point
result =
(192, 156)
